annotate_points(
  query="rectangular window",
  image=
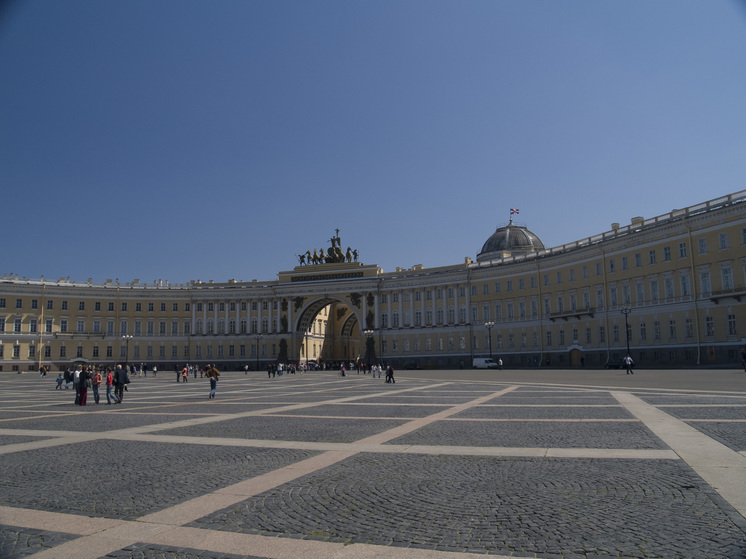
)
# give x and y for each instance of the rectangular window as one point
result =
(709, 326)
(64, 305)
(111, 307)
(124, 306)
(723, 240)
(138, 307)
(704, 280)
(175, 307)
(732, 325)
(682, 250)
(666, 254)
(702, 246)
(163, 307)
(651, 257)
(81, 305)
(151, 307)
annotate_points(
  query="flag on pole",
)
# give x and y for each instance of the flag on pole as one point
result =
(513, 211)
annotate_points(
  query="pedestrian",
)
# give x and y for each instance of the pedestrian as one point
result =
(60, 380)
(390, 375)
(155, 371)
(499, 364)
(84, 379)
(213, 374)
(96, 384)
(178, 373)
(76, 379)
(121, 380)
(246, 369)
(185, 374)
(110, 387)
(68, 378)
(629, 364)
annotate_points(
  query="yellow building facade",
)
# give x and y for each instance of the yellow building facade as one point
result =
(671, 288)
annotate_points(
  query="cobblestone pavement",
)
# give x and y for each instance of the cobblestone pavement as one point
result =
(442, 464)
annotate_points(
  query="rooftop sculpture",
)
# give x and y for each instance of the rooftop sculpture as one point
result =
(333, 255)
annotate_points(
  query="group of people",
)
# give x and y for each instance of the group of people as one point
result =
(116, 381)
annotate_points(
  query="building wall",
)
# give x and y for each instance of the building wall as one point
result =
(680, 279)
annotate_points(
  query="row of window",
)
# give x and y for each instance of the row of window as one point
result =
(138, 306)
(108, 352)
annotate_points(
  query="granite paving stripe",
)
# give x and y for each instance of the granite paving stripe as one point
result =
(544, 507)
(153, 551)
(552, 434)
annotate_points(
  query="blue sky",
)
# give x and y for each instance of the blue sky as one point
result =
(184, 140)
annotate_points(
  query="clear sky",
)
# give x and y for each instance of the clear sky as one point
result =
(183, 140)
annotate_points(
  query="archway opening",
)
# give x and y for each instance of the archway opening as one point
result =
(327, 333)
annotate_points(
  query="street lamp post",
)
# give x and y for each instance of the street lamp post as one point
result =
(257, 337)
(126, 339)
(489, 326)
(625, 312)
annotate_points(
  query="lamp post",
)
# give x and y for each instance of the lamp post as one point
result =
(369, 351)
(126, 339)
(489, 326)
(257, 337)
(625, 312)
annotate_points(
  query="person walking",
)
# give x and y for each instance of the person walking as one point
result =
(84, 379)
(629, 364)
(60, 380)
(110, 387)
(390, 375)
(121, 380)
(213, 374)
(76, 379)
(96, 384)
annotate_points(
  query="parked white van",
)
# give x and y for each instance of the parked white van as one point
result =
(484, 363)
